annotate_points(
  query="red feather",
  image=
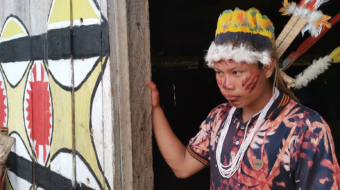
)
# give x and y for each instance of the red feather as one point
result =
(309, 42)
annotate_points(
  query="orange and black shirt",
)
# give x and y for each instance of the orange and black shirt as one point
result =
(293, 149)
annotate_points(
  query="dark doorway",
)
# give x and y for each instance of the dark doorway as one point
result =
(181, 32)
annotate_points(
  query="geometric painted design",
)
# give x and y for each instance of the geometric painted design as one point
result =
(3, 102)
(13, 29)
(59, 16)
(38, 111)
(85, 13)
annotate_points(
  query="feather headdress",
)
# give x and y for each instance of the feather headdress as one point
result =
(305, 18)
(244, 36)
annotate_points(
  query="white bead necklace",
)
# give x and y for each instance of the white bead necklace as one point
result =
(229, 170)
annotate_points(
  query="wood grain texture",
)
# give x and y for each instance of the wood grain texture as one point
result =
(115, 53)
(130, 54)
(140, 95)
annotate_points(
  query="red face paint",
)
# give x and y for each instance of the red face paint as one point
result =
(250, 81)
(222, 83)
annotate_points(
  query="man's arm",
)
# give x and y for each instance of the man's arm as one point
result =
(173, 151)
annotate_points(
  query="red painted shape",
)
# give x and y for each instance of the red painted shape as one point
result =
(2, 105)
(251, 81)
(39, 111)
(222, 84)
(246, 80)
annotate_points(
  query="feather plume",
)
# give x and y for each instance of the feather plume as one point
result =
(335, 55)
(288, 8)
(309, 42)
(309, 74)
(316, 22)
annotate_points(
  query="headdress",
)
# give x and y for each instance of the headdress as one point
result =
(248, 36)
(244, 36)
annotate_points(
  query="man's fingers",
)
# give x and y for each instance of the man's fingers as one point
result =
(152, 86)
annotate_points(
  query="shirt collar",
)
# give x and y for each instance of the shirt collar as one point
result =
(275, 109)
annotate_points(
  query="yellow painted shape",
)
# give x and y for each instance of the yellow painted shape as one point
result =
(62, 118)
(16, 109)
(12, 28)
(82, 119)
(60, 11)
(83, 9)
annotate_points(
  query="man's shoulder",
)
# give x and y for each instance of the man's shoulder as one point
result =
(294, 109)
(218, 112)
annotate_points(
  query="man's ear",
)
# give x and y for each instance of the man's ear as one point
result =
(269, 69)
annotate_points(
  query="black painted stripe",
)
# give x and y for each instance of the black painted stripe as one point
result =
(83, 41)
(47, 179)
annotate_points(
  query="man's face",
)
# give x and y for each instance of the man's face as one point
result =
(240, 83)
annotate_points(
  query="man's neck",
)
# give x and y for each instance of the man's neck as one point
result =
(256, 106)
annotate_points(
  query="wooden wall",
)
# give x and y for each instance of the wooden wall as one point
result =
(73, 105)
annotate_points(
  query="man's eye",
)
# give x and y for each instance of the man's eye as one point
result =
(218, 72)
(237, 72)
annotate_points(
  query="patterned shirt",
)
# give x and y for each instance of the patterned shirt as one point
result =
(293, 149)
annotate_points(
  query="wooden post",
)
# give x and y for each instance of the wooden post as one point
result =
(131, 70)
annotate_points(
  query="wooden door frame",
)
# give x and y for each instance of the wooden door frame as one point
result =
(131, 70)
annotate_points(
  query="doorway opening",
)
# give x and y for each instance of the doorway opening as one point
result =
(181, 32)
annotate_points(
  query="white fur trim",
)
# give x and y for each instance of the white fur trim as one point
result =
(309, 74)
(239, 54)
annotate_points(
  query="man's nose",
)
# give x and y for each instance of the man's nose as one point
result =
(227, 83)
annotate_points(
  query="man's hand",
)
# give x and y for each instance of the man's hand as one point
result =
(155, 94)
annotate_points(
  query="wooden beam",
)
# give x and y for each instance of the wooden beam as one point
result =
(131, 70)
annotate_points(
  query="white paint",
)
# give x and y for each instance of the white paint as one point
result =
(63, 165)
(15, 36)
(61, 70)
(108, 126)
(58, 25)
(38, 69)
(12, 38)
(96, 10)
(97, 123)
(82, 69)
(17, 182)
(20, 150)
(84, 175)
(86, 22)
(19, 147)
(103, 8)
(14, 71)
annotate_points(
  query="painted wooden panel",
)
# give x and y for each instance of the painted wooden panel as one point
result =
(90, 60)
(15, 65)
(56, 147)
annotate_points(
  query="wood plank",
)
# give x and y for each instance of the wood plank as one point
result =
(117, 54)
(140, 74)
(60, 73)
(92, 149)
(129, 22)
(14, 74)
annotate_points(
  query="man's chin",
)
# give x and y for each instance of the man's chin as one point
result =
(236, 104)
